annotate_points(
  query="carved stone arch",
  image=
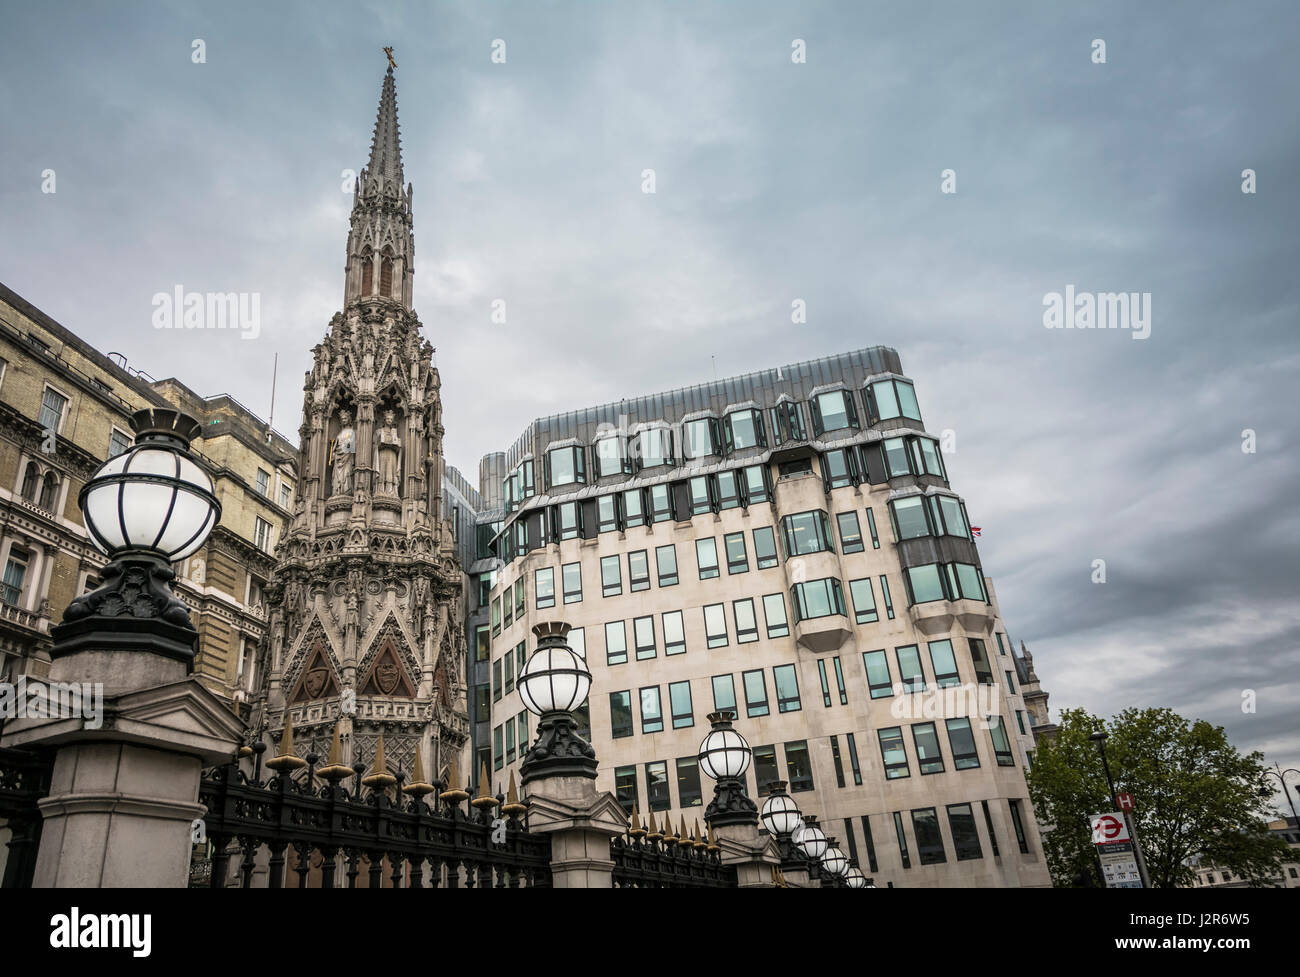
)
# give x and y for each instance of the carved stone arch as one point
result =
(319, 680)
(315, 640)
(389, 637)
(386, 675)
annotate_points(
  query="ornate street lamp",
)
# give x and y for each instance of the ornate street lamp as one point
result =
(834, 861)
(780, 814)
(724, 755)
(810, 839)
(855, 879)
(553, 683)
(146, 508)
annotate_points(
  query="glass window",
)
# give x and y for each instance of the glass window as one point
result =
(607, 513)
(611, 576)
(544, 587)
(744, 429)
(701, 497)
(510, 742)
(893, 753)
(970, 586)
(924, 583)
(871, 524)
(610, 458)
(565, 466)
(833, 411)
(661, 503)
(951, 515)
(850, 532)
(666, 562)
(896, 462)
(643, 631)
(615, 643)
(699, 438)
(944, 663)
(625, 788)
(1020, 722)
(839, 468)
(798, 766)
(638, 571)
(962, 743)
(578, 642)
(978, 657)
(688, 782)
(778, 625)
(737, 557)
(931, 462)
(482, 643)
(728, 490)
(877, 674)
(857, 773)
(498, 748)
(496, 680)
(888, 399)
(496, 615)
(620, 714)
(909, 668)
(633, 514)
(864, 601)
(817, 598)
(902, 839)
(507, 608)
(715, 625)
(839, 680)
(746, 624)
(654, 447)
(567, 521)
(656, 786)
(806, 532)
(519, 597)
(765, 769)
(119, 442)
(755, 484)
(508, 668)
(765, 547)
(988, 823)
(1001, 745)
(965, 836)
(787, 688)
(909, 517)
(724, 693)
(928, 756)
(571, 576)
(53, 407)
(787, 422)
(826, 688)
(521, 656)
(674, 633)
(755, 693)
(1020, 828)
(706, 557)
(929, 839)
(652, 713)
(679, 701)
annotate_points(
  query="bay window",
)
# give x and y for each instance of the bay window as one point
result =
(888, 399)
(610, 457)
(744, 429)
(817, 598)
(565, 466)
(700, 438)
(833, 411)
(805, 533)
(652, 448)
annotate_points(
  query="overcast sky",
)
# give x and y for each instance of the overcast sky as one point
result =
(775, 181)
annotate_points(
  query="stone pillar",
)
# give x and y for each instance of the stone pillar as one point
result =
(753, 854)
(124, 790)
(581, 822)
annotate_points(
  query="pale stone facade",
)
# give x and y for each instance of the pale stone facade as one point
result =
(827, 744)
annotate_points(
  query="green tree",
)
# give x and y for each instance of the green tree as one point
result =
(1195, 795)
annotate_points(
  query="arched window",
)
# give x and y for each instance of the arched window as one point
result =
(31, 478)
(49, 491)
(367, 272)
(386, 275)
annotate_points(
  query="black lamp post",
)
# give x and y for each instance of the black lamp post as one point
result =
(553, 683)
(1100, 738)
(146, 508)
(1280, 774)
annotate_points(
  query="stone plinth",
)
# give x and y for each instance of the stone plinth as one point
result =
(753, 854)
(581, 821)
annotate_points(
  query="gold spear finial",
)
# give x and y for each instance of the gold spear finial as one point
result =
(453, 793)
(683, 838)
(700, 843)
(379, 777)
(713, 840)
(635, 830)
(391, 63)
(653, 834)
(485, 800)
(335, 770)
(512, 808)
(418, 786)
(286, 759)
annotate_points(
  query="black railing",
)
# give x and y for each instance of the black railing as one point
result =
(24, 780)
(328, 835)
(665, 863)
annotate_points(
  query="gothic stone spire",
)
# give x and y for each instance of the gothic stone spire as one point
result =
(381, 242)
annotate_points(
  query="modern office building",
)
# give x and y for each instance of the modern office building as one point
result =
(785, 545)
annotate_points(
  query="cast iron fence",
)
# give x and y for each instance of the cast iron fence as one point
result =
(24, 780)
(667, 863)
(298, 819)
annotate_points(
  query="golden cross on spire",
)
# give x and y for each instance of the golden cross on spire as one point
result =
(391, 63)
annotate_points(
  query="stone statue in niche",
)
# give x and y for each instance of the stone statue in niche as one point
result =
(388, 455)
(343, 453)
